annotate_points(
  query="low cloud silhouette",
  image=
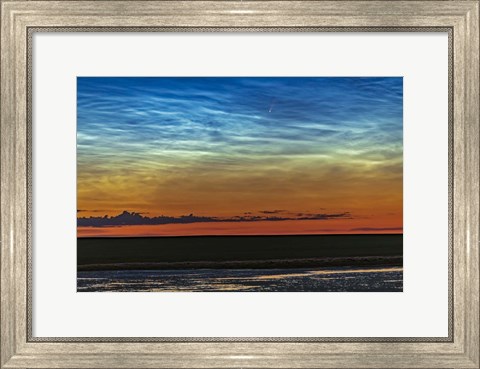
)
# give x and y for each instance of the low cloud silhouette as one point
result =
(272, 211)
(133, 218)
(90, 211)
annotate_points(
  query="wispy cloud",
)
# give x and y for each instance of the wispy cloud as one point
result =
(220, 146)
(185, 117)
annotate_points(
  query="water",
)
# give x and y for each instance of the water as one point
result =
(367, 279)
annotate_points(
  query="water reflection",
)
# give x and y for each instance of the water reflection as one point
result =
(244, 280)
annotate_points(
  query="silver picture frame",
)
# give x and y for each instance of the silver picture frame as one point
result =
(20, 20)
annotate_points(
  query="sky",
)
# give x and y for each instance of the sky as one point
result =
(180, 156)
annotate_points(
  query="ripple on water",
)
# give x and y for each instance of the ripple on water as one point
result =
(244, 280)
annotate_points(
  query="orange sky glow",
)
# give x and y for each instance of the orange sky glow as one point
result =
(239, 156)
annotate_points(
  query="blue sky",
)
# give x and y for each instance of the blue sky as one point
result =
(175, 134)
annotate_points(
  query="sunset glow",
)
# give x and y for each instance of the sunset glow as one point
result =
(239, 156)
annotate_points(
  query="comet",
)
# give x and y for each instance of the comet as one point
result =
(271, 106)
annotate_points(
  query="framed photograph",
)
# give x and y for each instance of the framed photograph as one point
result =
(268, 184)
(237, 184)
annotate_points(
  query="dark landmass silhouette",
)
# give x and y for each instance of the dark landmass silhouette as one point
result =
(238, 252)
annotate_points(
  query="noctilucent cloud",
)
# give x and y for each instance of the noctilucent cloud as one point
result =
(239, 155)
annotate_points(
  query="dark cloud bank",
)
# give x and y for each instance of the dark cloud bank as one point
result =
(132, 218)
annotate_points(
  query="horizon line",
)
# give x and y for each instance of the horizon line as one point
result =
(252, 235)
